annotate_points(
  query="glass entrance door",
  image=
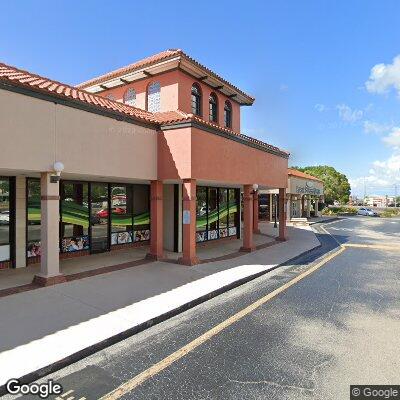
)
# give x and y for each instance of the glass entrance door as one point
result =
(99, 217)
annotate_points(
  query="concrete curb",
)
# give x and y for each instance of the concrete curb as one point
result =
(35, 375)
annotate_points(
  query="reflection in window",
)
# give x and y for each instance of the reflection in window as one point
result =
(228, 114)
(33, 217)
(141, 213)
(121, 214)
(201, 214)
(5, 217)
(196, 99)
(213, 105)
(217, 213)
(153, 97)
(74, 217)
(130, 97)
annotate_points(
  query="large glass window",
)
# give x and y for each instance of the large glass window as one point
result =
(217, 213)
(74, 217)
(141, 213)
(33, 216)
(213, 108)
(201, 214)
(196, 99)
(228, 114)
(121, 214)
(153, 97)
(6, 220)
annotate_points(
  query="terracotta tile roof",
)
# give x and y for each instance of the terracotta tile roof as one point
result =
(17, 77)
(172, 117)
(156, 58)
(299, 174)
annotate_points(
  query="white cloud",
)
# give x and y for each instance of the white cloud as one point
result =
(381, 178)
(393, 138)
(321, 107)
(384, 77)
(349, 115)
(375, 127)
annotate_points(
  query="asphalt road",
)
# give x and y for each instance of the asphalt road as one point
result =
(338, 326)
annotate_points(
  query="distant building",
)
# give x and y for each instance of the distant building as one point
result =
(379, 201)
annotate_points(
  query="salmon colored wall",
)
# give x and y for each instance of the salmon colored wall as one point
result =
(185, 89)
(168, 94)
(176, 87)
(174, 154)
(192, 153)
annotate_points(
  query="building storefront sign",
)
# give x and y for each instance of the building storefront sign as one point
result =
(308, 188)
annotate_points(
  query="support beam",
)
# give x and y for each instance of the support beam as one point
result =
(49, 233)
(147, 73)
(203, 78)
(20, 221)
(248, 244)
(189, 223)
(308, 207)
(156, 221)
(256, 228)
(282, 214)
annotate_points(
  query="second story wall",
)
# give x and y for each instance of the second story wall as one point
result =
(175, 94)
(185, 88)
(168, 91)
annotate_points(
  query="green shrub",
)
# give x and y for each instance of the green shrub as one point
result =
(339, 210)
(388, 213)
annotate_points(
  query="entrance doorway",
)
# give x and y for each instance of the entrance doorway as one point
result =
(99, 217)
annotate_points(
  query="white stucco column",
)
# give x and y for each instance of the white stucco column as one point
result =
(49, 234)
(316, 207)
(20, 221)
(308, 207)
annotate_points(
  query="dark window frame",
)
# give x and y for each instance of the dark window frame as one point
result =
(196, 99)
(11, 219)
(228, 114)
(213, 107)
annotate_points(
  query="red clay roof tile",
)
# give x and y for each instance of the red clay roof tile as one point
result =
(299, 174)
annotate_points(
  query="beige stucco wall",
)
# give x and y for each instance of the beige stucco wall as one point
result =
(34, 133)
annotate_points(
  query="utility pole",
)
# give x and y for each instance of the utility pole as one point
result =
(365, 191)
(395, 195)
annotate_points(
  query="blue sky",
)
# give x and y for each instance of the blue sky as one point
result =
(308, 63)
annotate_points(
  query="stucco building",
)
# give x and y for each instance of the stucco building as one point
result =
(149, 154)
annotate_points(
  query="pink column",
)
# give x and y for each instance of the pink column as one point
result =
(156, 221)
(49, 233)
(282, 214)
(189, 223)
(256, 228)
(248, 244)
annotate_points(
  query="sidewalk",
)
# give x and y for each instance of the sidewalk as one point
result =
(49, 325)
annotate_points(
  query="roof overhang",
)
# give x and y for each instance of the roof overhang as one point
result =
(186, 65)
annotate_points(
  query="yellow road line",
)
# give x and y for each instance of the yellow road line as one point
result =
(395, 246)
(166, 362)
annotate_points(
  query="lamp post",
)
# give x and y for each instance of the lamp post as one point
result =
(276, 210)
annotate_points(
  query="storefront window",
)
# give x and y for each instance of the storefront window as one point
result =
(223, 212)
(33, 217)
(201, 214)
(217, 213)
(99, 218)
(141, 213)
(74, 217)
(121, 214)
(5, 220)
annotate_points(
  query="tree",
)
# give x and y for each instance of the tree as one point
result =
(336, 185)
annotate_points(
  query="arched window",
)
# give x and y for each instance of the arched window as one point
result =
(110, 97)
(130, 97)
(213, 107)
(228, 114)
(153, 97)
(196, 99)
